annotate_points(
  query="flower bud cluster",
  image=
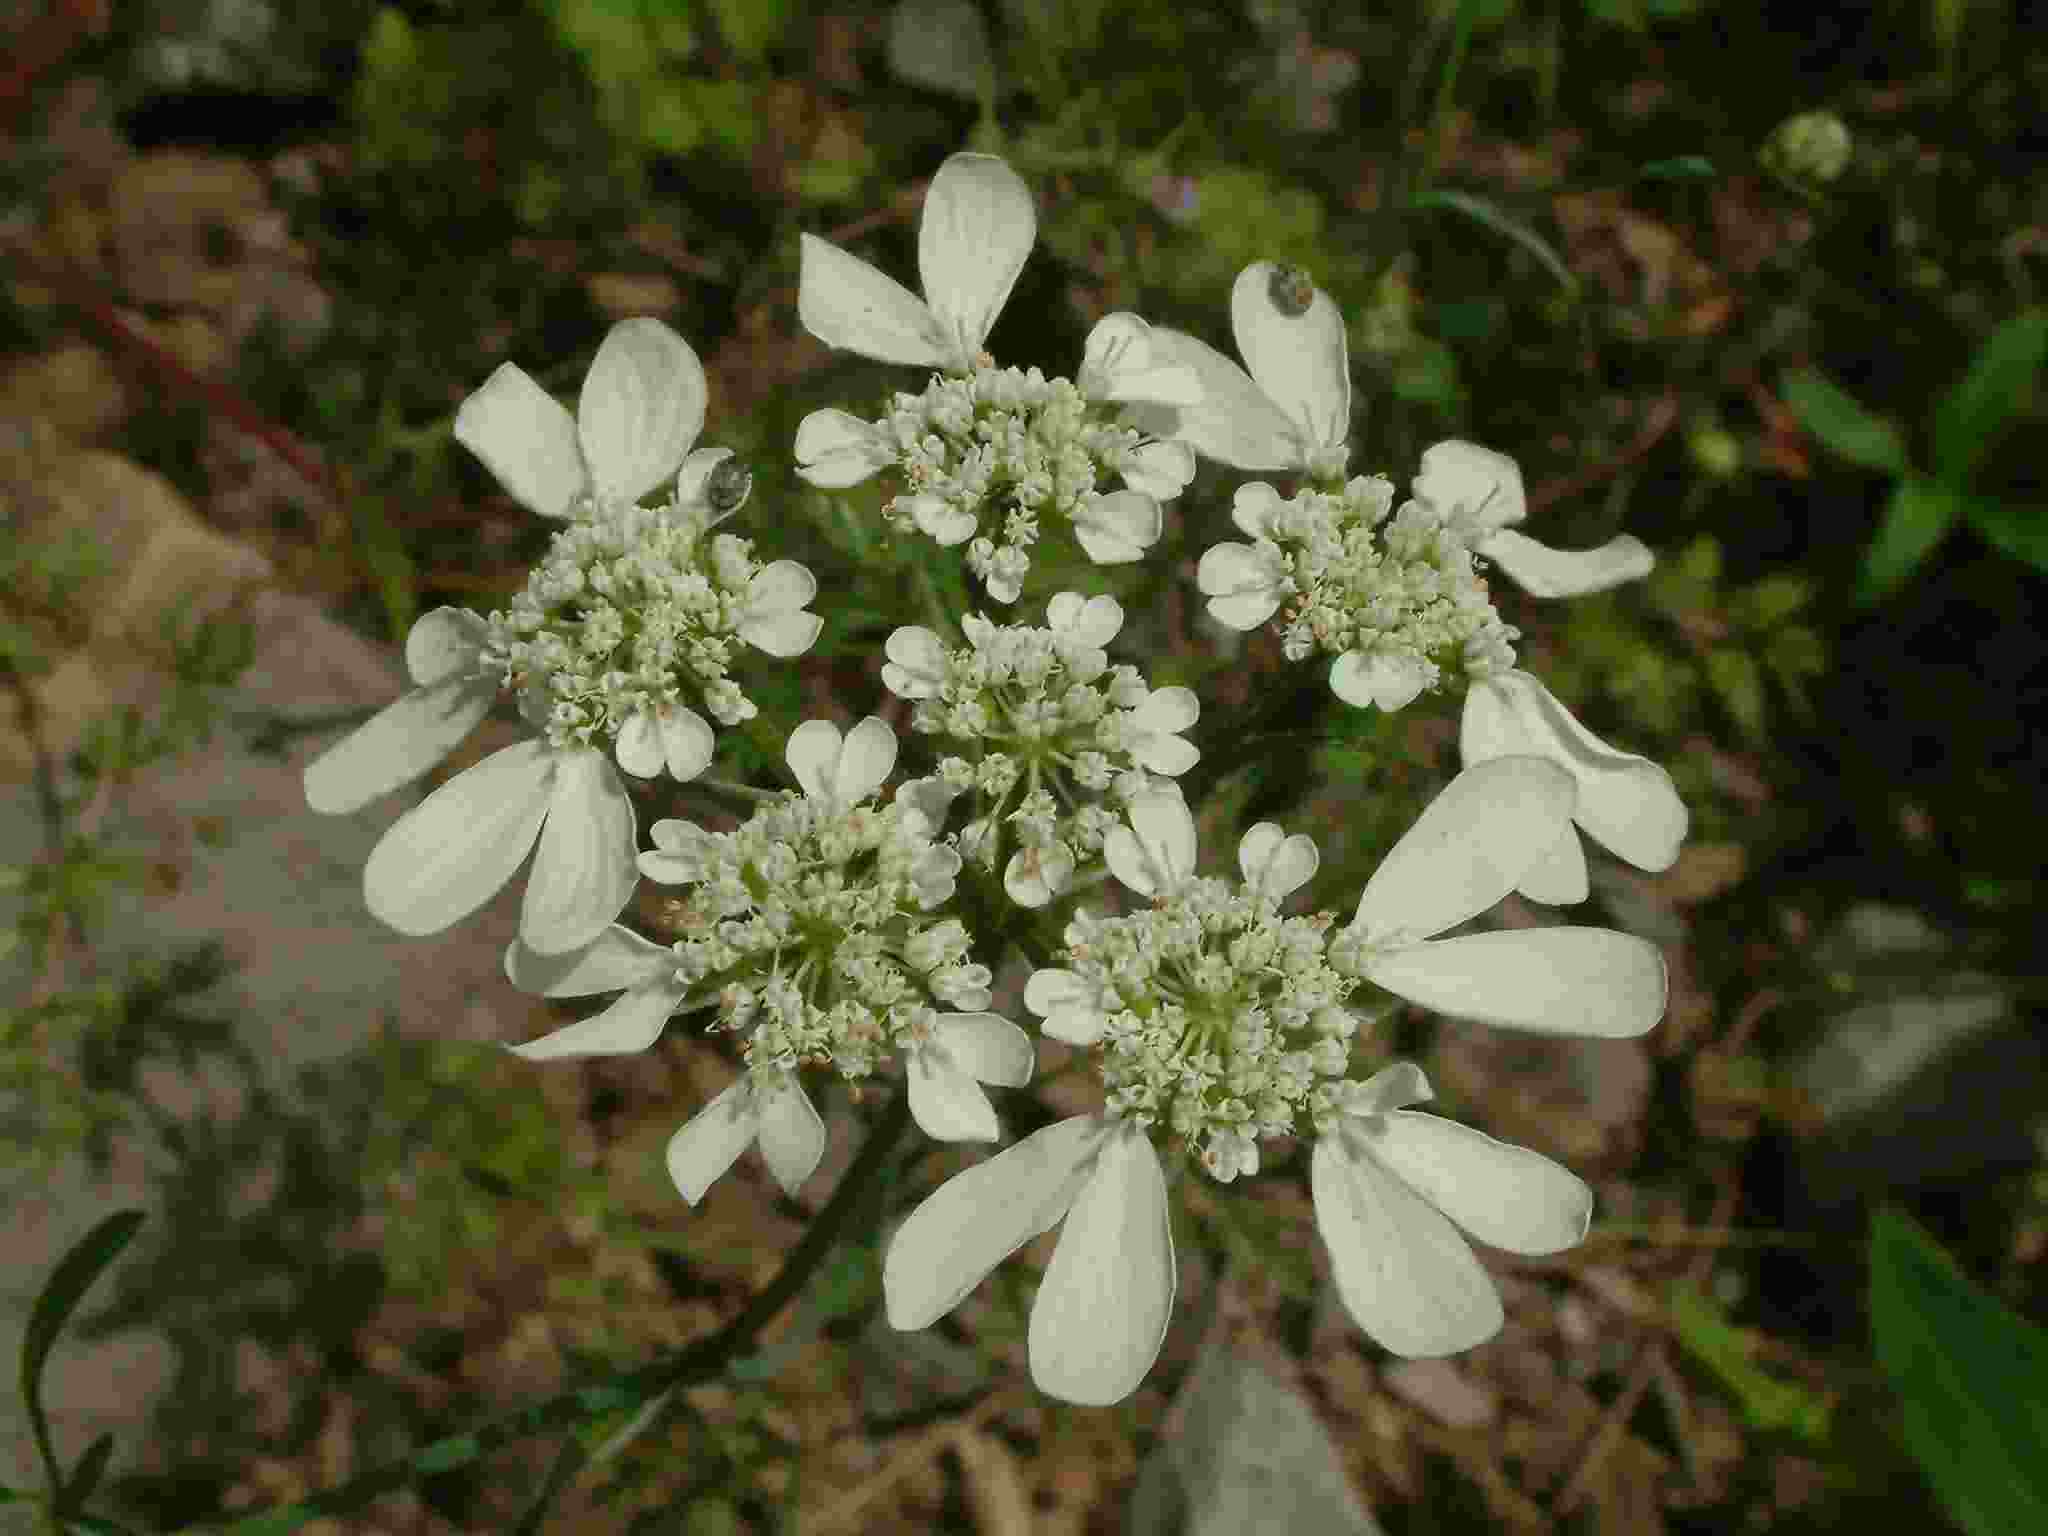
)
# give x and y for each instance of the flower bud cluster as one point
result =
(1222, 1019)
(1041, 710)
(631, 611)
(986, 454)
(809, 924)
(1403, 591)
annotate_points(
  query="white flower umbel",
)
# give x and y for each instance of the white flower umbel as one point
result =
(809, 930)
(984, 452)
(1047, 724)
(1481, 491)
(632, 612)
(1389, 1184)
(1626, 803)
(1292, 411)
(635, 614)
(1219, 1022)
(1395, 599)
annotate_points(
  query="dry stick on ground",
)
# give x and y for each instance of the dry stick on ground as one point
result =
(911, 1450)
(1607, 1435)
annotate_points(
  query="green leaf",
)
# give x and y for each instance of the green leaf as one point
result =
(61, 1293)
(1843, 423)
(751, 27)
(1739, 682)
(941, 45)
(1501, 222)
(2020, 528)
(1765, 1402)
(1996, 388)
(1972, 1377)
(1919, 514)
(388, 564)
(1679, 168)
(85, 1477)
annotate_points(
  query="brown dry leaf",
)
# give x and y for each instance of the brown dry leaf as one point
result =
(1444, 1391)
(1704, 871)
(622, 295)
(178, 222)
(1578, 1100)
(73, 388)
(995, 1486)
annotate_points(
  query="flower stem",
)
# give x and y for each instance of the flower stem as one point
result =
(738, 791)
(628, 1390)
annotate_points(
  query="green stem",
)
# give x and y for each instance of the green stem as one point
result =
(628, 1390)
(738, 791)
(1440, 114)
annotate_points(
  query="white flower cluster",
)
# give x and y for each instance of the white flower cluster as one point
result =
(993, 451)
(1395, 599)
(817, 932)
(630, 606)
(1041, 709)
(809, 923)
(984, 451)
(1219, 1015)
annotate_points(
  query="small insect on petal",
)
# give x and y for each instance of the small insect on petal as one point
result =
(1291, 291)
(727, 486)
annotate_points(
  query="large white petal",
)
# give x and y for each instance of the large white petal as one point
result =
(1299, 361)
(1033, 876)
(1564, 981)
(1506, 1196)
(1086, 623)
(452, 852)
(1161, 470)
(1102, 1309)
(1545, 572)
(1156, 851)
(1627, 803)
(988, 1047)
(865, 760)
(641, 408)
(835, 450)
(1471, 484)
(1404, 1274)
(680, 848)
(1118, 528)
(526, 439)
(1469, 847)
(687, 741)
(846, 303)
(940, 520)
(633, 1023)
(1275, 863)
(712, 1140)
(615, 959)
(396, 745)
(916, 665)
(977, 230)
(1066, 1003)
(812, 753)
(1558, 879)
(946, 1102)
(978, 1218)
(792, 1135)
(1390, 682)
(442, 643)
(1234, 423)
(1242, 583)
(585, 870)
(775, 620)
(1394, 1086)
(1121, 364)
